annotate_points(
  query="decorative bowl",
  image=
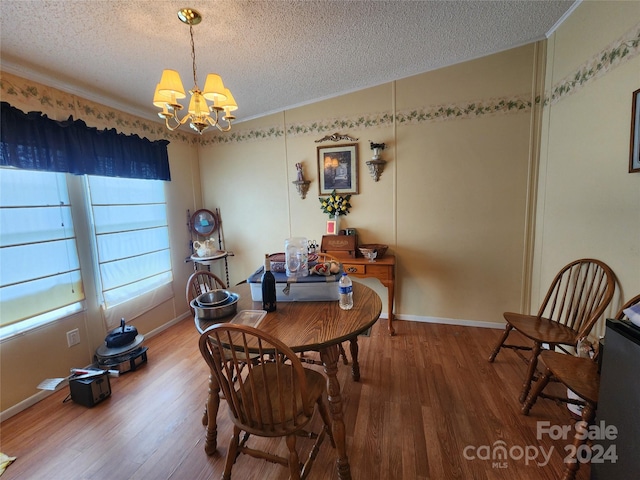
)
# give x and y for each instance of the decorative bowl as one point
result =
(278, 262)
(226, 308)
(373, 247)
(212, 298)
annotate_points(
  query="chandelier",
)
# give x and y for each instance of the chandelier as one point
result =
(200, 114)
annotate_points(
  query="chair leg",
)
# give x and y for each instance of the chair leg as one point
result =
(355, 366)
(539, 387)
(573, 464)
(324, 413)
(232, 453)
(531, 371)
(507, 330)
(211, 409)
(205, 414)
(343, 354)
(294, 462)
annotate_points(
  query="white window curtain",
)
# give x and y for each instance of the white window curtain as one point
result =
(132, 245)
(39, 267)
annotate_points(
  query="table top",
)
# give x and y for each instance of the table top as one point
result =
(305, 326)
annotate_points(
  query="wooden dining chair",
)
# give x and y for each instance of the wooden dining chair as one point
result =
(274, 397)
(578, 371)
(580, 375)
(576, 299)
(202, 281)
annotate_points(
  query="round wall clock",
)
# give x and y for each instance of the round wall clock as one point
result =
(204, 222)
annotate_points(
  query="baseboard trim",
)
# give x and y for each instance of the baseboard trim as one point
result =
(450, 321)
(27, 402)
(162, 328)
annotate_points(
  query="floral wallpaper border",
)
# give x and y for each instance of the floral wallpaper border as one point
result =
(618, 52)
(30, 96)
(433, 113)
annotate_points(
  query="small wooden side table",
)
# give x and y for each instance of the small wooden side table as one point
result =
(383, 269)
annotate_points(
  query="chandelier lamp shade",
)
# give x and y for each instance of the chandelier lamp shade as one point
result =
(200, 114)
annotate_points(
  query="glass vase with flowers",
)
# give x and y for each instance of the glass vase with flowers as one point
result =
(336, 206)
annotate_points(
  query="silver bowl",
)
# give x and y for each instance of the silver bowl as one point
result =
(213, 298)
(228, 307)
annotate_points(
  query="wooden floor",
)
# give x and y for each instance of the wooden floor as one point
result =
(428, 406)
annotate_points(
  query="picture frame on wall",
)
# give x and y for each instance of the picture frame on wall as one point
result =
(634, 150)
(338, 169)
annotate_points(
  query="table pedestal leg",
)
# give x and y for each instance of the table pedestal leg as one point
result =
(213, 404)
(329, 358)
(355, 366)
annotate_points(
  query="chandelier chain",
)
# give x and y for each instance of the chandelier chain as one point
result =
(193, 58)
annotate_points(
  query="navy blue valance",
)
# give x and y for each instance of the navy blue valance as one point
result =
(32, 141)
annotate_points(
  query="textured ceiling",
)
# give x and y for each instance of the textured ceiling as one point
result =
(271, 54)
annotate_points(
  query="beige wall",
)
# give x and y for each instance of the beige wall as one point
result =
(450, 203)
(588, 203)
(463, 189)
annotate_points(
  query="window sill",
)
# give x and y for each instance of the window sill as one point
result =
(21, 328)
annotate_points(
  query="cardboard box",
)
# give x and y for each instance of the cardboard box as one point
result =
(313, 288)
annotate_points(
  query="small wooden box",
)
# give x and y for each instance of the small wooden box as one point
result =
(340, 245)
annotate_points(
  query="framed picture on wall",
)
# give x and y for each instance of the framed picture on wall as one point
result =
(338, 169)
(634, 154)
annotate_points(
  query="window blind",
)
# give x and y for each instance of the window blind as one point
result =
(131, 237)
(40, 271)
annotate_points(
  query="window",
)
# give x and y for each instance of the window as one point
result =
(40, 271)
(127, 240)
(131, 236)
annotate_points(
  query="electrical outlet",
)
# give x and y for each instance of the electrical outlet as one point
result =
(73, 337)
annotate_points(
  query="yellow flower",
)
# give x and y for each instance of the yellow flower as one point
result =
(335, 204)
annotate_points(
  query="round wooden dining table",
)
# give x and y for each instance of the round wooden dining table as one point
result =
(307, 326)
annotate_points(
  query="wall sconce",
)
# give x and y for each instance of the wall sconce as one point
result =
(376, 164)
(302, 185)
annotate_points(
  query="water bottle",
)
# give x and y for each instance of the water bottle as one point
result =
(346, 292)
